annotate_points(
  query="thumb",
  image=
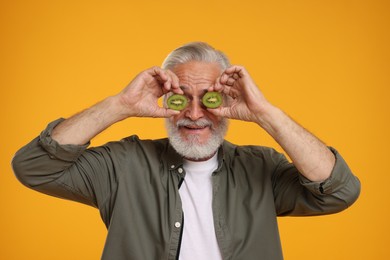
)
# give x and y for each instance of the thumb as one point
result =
(220, 112)
(166, 112)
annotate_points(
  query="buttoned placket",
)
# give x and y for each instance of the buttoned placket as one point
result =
(177, 170)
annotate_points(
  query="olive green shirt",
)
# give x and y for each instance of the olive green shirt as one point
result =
(134, 183)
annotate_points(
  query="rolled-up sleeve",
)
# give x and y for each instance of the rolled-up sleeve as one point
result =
(297, 195)
(67, 171)
(66, 152)
(341, 183)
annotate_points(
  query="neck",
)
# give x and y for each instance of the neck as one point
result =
(200, 159)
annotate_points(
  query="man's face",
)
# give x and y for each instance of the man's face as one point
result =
(198, 132)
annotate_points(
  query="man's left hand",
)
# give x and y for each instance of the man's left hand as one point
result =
(245, 101)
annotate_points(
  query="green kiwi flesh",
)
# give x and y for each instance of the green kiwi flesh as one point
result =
(177, 102)
(212, 99)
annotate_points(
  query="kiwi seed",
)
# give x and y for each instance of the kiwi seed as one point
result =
(212, 99)
(177, 102)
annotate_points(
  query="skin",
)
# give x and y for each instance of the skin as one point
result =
(195, 80)
(139, 99)
(311, 156)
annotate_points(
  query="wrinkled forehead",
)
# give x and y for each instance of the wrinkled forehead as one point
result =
(197, 76)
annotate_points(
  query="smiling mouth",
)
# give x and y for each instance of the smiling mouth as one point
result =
(194, 125)
(194, 130)
(191, 127)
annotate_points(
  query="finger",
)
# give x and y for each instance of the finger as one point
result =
(175, 85)
(163, 77)
(230, 91)
(167, 85)
(220, 112)
(169, 81)
(167, 78)
(165, 112)
(239, 70)
(230, 81)
(217, 86)
(224, 77)
(158, 73)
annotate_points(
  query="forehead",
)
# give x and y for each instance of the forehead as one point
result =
(197, 75)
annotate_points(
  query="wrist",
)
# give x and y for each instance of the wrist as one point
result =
(270, 118)
(120, 109)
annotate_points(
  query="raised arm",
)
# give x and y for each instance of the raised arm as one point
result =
(138, 99)
(57, 162)
(311, 157)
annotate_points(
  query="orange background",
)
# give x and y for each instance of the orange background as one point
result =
(326, 63)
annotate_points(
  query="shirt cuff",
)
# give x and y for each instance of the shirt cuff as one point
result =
(339, 177)
(66, 152)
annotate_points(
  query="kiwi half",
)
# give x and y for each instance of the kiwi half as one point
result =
(177, 102)
(212, 99)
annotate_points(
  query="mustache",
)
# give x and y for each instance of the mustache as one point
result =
(203, 122)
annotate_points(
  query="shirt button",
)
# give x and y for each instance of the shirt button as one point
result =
(172, 166)
(180, 170)
(177, 224)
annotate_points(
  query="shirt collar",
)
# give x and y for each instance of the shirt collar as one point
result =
(175, 160)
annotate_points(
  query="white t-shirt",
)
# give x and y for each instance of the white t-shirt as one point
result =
(198, 240)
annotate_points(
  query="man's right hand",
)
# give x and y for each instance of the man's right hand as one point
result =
(139, 98)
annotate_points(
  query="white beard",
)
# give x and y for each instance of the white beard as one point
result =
(190, 148)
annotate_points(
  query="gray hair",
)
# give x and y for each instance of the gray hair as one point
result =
(195, 51)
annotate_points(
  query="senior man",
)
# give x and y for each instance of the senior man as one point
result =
(192, 195)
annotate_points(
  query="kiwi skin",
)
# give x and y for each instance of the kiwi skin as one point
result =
(212, 99)
(177, 102)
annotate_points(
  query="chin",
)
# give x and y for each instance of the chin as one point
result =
(196, 146)
(195, 140)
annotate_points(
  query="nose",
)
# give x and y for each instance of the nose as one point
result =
(194, 111)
